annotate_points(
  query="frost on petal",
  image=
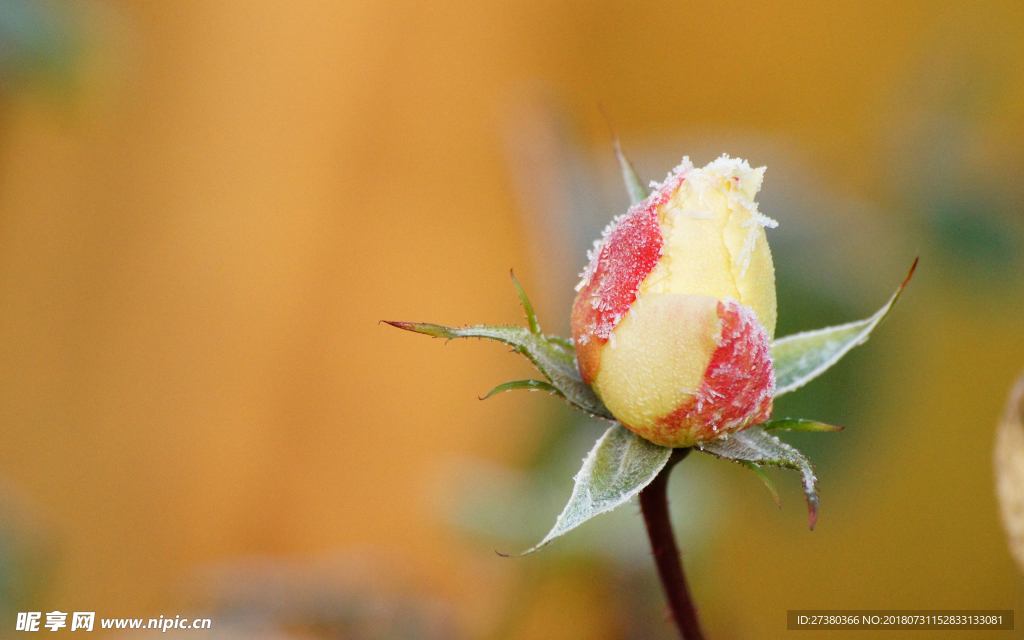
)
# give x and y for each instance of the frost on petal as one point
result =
(699, 234)
(757, 221)
(595, 251)
(715, 242)
(738, 385)
(746, 182)
(630, 249)
(630, 252)
(661, 350)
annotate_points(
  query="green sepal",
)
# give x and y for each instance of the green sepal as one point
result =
(755, 445)
(634, 186)
(797, 424)
(555, 361)
(565, 343)
(528, 385)
(619, 466)
(531, 317)
(801, 357)
(765, 479)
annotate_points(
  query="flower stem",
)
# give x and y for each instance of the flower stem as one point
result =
(654, 504)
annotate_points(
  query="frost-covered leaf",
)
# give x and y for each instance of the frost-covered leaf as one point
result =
(1009, 464)
(756, 446)
(616, 469)
(764, 478)
(528, 385)
(797, 424)
(556, 361)
(801, 357)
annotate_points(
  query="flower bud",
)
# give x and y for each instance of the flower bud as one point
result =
(676, 310)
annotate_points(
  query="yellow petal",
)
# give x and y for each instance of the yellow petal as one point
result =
(715, 243)
(657, 357)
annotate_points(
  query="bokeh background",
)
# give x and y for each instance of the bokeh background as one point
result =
(207, 207)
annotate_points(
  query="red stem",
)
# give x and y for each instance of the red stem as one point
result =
(654, 504)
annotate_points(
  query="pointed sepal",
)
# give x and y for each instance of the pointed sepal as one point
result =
(634, 186)
(619, 466)
(528, 385)
(552, 358)
(531, 317)
(798, 424)
(756, 446)
(802, 357)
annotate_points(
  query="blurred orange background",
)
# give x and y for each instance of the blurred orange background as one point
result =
(207, 207)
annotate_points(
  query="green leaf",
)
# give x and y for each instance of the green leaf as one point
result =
(765, 479)
(529, 385)
(565, 343)
(634, 186)
(531, 317)
(800, 358)
(759, 447)
(797, 424)
(616, 469)
(553, 359)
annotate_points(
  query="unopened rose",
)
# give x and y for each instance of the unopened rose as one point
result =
(676, 310)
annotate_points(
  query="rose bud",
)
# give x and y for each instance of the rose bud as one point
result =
(676, 310)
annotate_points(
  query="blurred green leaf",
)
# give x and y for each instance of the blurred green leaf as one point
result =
(39, 42)
(634, 186)
(755, 445)
(764, 478)
(552, 358)
(801, 357)
(797, 424)
(528, 385)
(619, 466)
